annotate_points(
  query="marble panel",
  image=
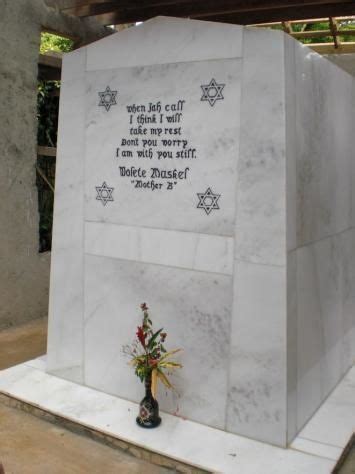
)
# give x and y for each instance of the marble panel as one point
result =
(202, 252)
(347, 246)
(291, 142)
(257, 380)
(292, 334)
(195, 310)
(334, 422)
(261, 203)
(183, 41)
(65, 328)
(324, 137)
(318, 449)
(352, 160)
(325, 319)
(210, 131)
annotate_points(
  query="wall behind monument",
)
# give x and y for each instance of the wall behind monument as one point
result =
(24, 276)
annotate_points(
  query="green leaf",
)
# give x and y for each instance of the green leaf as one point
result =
(153, 338)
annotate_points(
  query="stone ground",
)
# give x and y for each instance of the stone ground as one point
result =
(29, 445)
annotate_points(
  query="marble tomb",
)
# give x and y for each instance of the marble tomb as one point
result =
(207, 169)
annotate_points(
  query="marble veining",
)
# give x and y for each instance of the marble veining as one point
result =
(199, 326)
(211, 164)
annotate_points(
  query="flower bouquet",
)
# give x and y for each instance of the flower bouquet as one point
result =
(150, 360)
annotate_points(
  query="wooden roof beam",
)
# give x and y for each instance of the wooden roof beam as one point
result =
(319, 33)
(328, 48)
(306, 21)
(334, 30)
(286, 14)
(184, 7)
(225, 10)
(286, 25)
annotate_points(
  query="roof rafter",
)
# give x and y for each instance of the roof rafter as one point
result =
(234, 11)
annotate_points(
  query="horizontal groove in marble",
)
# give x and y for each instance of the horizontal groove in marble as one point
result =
(187, 250)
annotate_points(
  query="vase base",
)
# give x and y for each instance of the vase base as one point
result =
(148, 423)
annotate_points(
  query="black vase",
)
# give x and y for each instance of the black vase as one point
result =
(148, 408)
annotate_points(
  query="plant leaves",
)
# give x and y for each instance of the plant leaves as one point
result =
(164, 379)
(170, 353)
(170, 365)
(154, 383)
(153, 338)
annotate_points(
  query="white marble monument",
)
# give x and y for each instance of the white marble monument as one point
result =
(208, 170)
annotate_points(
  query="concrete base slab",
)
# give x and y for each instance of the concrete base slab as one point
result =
(186, 441)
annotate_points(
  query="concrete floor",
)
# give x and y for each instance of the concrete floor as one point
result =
(29, 445)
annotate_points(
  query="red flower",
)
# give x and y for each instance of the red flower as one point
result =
(144, 307)
(141, 336)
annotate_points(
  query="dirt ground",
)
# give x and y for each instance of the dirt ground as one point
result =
(23, 343)
(29, 445)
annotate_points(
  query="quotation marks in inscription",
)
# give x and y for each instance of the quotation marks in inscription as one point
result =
(104, 193)
(212, 92)
(208, 201)
(107, 98)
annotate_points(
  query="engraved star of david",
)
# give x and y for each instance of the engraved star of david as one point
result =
(104, 193)
(107, 98)
(212, 92)
(208, 201)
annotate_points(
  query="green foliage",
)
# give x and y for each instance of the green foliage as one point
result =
(50, 42)
(47, 121)
(47, 113)
(323, 26)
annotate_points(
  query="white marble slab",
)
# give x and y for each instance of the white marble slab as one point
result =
(65, 343)
(200, 326)
(257, 372)
(184, 40)
(210, 131)
(325, 319)
(318, 449)
(319, 181)
(202, 252)
(177, 438)
(324, 144)
(276, 329)
(260, 232)
(334, 422)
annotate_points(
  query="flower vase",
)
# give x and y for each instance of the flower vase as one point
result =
(148, 408)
